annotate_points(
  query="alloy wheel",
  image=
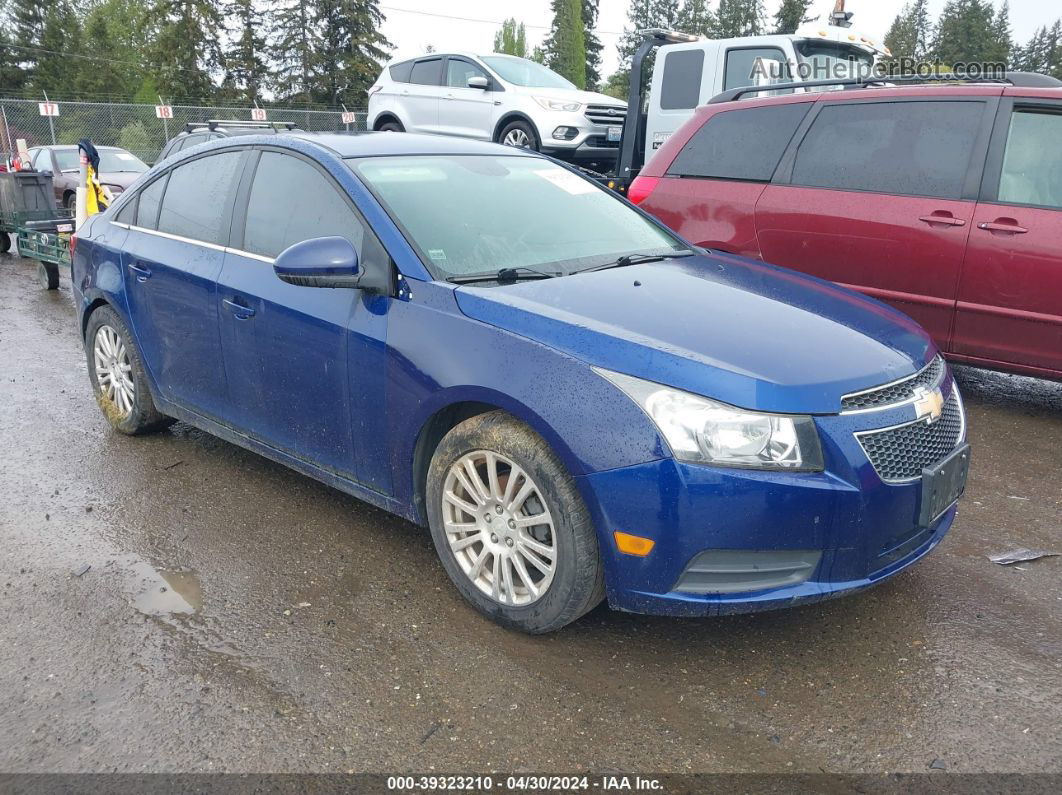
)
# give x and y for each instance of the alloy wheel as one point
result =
(114, 370)
(518, 138)
(499, 528)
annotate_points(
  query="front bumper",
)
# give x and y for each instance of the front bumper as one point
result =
(589, 144)
(847, 527)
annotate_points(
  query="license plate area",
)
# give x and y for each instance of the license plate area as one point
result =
(614, 134)
(943, 484)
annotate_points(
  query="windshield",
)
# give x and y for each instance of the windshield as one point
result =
(478, 214)
(825, 61)
(522, 72)
(111, 160)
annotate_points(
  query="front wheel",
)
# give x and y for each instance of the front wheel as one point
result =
(519, 134)
(510, 527)
(119, 379)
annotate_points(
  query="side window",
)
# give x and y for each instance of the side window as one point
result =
(1032, 163)
(745, 67)
(740, 144)
(400, 71)
(458, 72)
(147, 212)
(427, 73)
(904, 148)
(682, 80)
(127, 215)
(311, 207)
(198, 196)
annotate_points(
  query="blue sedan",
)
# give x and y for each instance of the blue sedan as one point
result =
(576, 402)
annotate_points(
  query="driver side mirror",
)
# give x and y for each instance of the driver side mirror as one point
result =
(478, 81)
(319, 262)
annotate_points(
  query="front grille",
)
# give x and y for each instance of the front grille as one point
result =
(900, 391)
(601, 142)
(605, 114)
(901, 453)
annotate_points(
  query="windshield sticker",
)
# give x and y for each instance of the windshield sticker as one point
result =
(567, 181)
(437, 254)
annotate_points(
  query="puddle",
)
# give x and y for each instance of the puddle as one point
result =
(158, 592)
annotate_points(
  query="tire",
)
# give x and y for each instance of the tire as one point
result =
(515, 592)
(5, 242)
(391, 126)
(139, 415)
(515, 132)
(48, 275)
(69, 201)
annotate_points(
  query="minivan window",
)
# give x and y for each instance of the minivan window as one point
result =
(912, 148)
(400, 71)
(459, 72)
(426, 73)
(449, 209)
(198, 196)
(147, 211)
(1032, 164)
(742, 69)
(744, 144)
(682, 79)
(292, 201)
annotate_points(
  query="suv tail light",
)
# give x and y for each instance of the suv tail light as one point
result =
(641, 188)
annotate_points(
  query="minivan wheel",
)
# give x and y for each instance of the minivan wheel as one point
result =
(391, 126)
(118, 376)
(519, 134)
(510, 526)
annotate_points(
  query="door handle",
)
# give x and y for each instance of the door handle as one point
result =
(142, 273)
(1005, 225)
(942, 217)
(241, 311)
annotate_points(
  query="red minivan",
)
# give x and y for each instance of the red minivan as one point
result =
(944, 201)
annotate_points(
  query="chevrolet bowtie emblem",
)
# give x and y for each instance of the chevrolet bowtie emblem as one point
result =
(929, 406)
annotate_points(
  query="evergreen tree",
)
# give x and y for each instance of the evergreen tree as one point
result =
(909, 35)
(187, 50)
(695, 17)
(566, 45)
(791, 15)
(350, 50)
(246, 68)
(640, 15)
(27, 25)
(964, 33)
(106, 76)
(12, 76)
(736, 18)
(60, 37)
(592, 43)
(1002, 35)
(511, 39)
(293, 40)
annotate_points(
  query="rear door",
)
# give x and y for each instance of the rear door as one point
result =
(1010, 296)
(465, 111)
(172, 260)
(418, 100)
(879, 196)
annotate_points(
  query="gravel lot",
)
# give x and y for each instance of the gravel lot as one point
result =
(301, 630)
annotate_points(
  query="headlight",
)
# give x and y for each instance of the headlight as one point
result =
(558, 104)
(704, 431)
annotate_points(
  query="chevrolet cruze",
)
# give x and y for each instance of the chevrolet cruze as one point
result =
(579, 404)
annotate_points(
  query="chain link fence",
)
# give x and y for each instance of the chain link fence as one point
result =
(136, 127)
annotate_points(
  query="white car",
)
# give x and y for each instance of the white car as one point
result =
(498, 98)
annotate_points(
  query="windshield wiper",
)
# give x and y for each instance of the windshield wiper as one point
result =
(637, 259)
(503, 275)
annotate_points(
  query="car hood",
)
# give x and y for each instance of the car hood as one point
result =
(123, 179)
(570, 95)
(738, 331)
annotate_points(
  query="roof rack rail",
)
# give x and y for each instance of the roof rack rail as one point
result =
(1020, 79)
(213, 124)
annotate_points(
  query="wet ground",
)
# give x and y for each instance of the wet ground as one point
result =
(174, 603)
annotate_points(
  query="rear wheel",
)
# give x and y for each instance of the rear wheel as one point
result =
(48, 275)
(391, 126)
(119, 379)
(5, 242)
(510, 527)
(70, 200)
(519, 134)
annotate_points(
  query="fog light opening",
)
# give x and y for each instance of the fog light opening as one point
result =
(565, 133)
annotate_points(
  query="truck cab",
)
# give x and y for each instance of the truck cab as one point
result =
(688, 74)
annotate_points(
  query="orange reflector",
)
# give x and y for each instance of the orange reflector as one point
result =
(633, 545)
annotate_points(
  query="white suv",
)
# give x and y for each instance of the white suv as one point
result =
(497, 98)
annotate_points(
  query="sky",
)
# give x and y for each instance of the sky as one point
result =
(412, 25)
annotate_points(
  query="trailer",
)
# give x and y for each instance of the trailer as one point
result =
(41, 230)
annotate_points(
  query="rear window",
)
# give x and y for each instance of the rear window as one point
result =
(681, 87)
(902, 148)
(400, 71)
(740, 144)
(427, 73)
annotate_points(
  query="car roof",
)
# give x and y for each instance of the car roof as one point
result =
(375, 144)
(73, 146)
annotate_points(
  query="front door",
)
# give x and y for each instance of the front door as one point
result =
(1010, 298)
(172, 259)
(286, 347)
(465, 111)
(880, 198)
